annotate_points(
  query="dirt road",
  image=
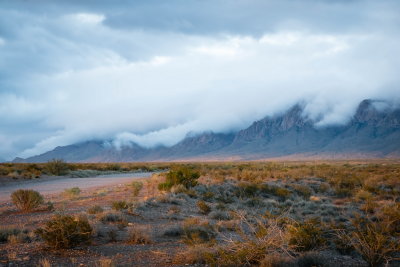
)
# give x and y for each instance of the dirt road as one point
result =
(60, 184)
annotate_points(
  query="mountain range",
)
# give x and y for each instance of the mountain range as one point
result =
(373, 132)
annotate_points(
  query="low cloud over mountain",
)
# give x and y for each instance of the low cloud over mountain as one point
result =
(372, 132)
(150, 72)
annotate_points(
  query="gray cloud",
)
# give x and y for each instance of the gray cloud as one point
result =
(152, 71)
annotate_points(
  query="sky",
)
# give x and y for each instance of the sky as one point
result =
(152, 71)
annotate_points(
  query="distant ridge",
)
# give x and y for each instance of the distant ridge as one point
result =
(373, 132)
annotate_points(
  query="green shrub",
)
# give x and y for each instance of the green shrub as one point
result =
(95, 210)
(119, 205)
(247, 190)
(57, 167)
(182, 175)
(72, 192)
(136, 187)
(203, 207)
(306, 236)
(373, 240)
(278, 191)
(26, 199)
(302, 190)
(65, 231)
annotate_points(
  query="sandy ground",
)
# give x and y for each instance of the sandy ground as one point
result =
(59, 184)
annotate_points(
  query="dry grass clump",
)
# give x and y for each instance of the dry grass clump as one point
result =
(95, 210)
(196, 231)
(72, 192)
(303, 190)
(65, 231)
(257, 241)
(119, 205)
(136, 187)
(26, 200)
(44, 263)
(111, 217)
(139, 235)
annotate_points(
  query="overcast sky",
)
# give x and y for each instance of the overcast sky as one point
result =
(151, 71)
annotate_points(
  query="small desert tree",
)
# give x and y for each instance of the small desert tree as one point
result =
(26, 199)
(180, 175)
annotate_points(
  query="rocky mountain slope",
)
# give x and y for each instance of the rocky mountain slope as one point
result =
(373, 132)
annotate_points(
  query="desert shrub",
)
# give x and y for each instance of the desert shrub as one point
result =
(374, 241)
(181, 175)
(139, 235)
(136, 187)
(119, 205)
(246, 190)
(254, 202)
(258, 241)
(112, 217)
(342, 240)
(95, 210)
(173, 230)
(72, 192)
(5, 233)
(391, 213)
(363, 195)
(220, 215)
(65, 231)
(114, 167)
(57, 167)
(306, 236)
(302, 190)
(203, 207)
(196, 231)
(369, 206)
(112, 235)
(26, 199)
(323, 187)
(278, 191)
(179, 188)
(21, 237)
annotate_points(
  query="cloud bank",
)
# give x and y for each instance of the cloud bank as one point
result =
(150, 72)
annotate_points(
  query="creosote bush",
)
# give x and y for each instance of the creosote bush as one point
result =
(26, 199)
(180, 175)
(373, 241)
(306, 236)
(57, 167)
(65, 231)
(119, 205)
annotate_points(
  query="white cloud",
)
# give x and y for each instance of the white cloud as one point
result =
(74, 77)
